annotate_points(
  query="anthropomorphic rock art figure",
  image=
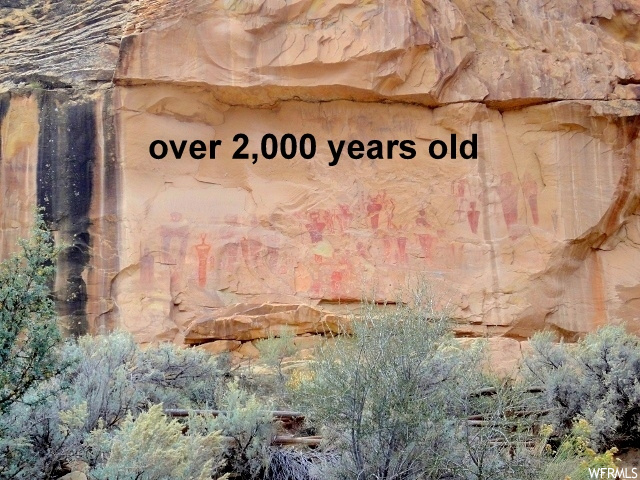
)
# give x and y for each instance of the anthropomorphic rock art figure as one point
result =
(459, 188)
(425, 234)
(147, 277)
(402, 257)
(202, 250)
(174, 237)
(530, 190)
(315, 227)
(473, 216)
(508, 192)
(174, 240)
(344, 217)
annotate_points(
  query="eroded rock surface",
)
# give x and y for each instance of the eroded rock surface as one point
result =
(541, 230)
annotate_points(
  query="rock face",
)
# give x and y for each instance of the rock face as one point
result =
(540, 229)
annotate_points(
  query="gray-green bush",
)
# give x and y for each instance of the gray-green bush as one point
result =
(249, 425)
(154, 448)
(111, 378)
(29, 335)
(597, 379)
(385, 394)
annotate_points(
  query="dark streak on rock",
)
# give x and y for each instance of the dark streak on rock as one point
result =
(5, 100)
(110, 196)
(66, 154)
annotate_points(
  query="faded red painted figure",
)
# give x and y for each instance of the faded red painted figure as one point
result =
(402, 250)
(250, 252)
(202, 250)
(459, 188)
(363, 251)
(389, 209)
(388, 250)
(374, 207)
(171, 232)
(229, 257)
(273, 257)
(530, 190)
(473, 216)
(147, 276)
(344, 217)
(174, 246)
(336, 282)
(426, 244)
(508, 192)
(316, 227)
(340, 276)
(425, 237)
(422, 221)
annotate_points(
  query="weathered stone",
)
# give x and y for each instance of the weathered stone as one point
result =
(220, 346)
(309, 342)
(248, 350)
(541, 230)
(250, 322)
(74, 476)
(502, 356)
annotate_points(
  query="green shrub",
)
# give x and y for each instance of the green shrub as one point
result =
(111, 378)
(154, 448)
(274, 349)
(386, 395)
(249, 425)
(595, 380)
(29, 335)
(573, 457)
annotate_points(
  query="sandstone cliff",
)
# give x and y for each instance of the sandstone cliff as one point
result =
(540, 231)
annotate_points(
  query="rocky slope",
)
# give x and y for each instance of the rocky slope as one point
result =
(541, 230)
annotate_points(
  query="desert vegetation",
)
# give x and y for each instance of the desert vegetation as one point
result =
(397, 398)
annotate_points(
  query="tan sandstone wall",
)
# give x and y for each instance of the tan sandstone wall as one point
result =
(540, 231)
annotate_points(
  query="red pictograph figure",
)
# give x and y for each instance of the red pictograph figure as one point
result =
(473, 215)
(272, 243)
(374, 207)
(336, 282)
(250, 252)
(202, 249)
(229, 257)
(322, 249)
(388, 250)
(273, 254)
(426, 244)
(530, 190)
(230, 252)
(327, 218)
(174, 246)
(147, 276)
(389, 209)
(340, 276)
(362, 250)
(344, 217)
(425, 236)
(459, 188)
(169, 233)
(508, 192)
(315, 227)
(422, 221)
(402, 250)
